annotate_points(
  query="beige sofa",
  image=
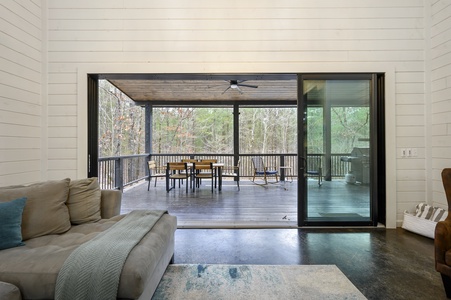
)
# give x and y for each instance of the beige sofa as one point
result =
(58, 216)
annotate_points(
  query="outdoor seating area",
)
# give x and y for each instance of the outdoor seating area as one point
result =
(191, 172)
(230, 189)
(119, 172)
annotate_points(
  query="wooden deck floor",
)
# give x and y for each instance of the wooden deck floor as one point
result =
(273, 206)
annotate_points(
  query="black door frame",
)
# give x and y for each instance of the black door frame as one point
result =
(378, 194)
(377, 148)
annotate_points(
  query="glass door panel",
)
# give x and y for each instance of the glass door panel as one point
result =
(337, 131)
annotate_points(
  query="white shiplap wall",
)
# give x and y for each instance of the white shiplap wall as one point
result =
(440, 52)
(20, 92)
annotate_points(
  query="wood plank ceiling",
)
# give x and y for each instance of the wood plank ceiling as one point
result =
(210, 89)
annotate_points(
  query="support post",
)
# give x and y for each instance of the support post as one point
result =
(236, 137)
(119, 173)
(148, 130)
(282, 170)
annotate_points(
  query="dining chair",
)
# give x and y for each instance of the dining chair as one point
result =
(202, 170)
(232, 172)
(189, 161)
(210, 160)
(155, 172)
(260, 170)
(176, 171)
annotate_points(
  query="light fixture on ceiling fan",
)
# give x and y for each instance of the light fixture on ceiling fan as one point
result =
(236, 84)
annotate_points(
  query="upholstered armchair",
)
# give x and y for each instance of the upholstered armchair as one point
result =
(442, 240)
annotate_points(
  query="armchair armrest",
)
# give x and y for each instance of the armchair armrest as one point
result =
(110, 203)
(442, 243)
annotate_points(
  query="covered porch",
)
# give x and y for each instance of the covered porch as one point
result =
(120, 172)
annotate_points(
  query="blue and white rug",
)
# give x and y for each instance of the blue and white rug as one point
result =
(255, 282)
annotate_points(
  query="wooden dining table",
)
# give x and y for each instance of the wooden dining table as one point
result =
(218, 174)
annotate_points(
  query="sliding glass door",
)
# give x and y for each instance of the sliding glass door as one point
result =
(337, 130)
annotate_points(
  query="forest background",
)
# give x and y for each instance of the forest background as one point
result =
(209, 130)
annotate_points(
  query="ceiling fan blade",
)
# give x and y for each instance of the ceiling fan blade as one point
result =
(248, 85)
(225, 90)
(239, 90)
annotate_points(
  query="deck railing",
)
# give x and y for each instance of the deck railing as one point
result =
(121, 171)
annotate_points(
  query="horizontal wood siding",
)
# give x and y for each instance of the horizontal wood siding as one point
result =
(440, 95)
(20, 96)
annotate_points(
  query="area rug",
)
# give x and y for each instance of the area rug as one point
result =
(255, 282)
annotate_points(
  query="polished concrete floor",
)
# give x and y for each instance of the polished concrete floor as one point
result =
(381, 263)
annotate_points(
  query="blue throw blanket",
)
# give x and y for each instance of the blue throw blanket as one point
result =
(93, 270)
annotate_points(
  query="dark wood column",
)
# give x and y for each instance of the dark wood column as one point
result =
(149, 128)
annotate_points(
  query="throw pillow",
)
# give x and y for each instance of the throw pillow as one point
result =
(424, 211)
(419, 208)
(439, 214)
(84, 201)
(45, 211)
(10, 223)
(427, 212)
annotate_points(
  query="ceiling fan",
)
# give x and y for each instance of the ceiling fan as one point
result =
(236, 84)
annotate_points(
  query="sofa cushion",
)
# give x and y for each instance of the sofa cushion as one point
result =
(84, 200)
(45, 211)
(10, 223)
